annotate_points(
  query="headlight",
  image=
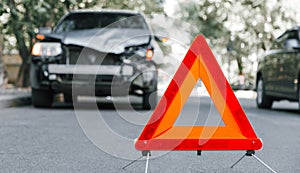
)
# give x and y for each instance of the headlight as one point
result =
(46, 49)
(149, 54)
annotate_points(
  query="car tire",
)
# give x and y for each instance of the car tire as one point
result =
(42, 98)
(149, 99)
(68, 98)
(262, 100)
(299, 98)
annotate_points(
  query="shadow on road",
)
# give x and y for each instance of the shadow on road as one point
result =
(98, 106)
(249, 105)
(294, 111)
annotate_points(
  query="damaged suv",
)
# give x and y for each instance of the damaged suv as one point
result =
(97, 53)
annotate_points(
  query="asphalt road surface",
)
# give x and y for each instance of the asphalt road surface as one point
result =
(99, 138)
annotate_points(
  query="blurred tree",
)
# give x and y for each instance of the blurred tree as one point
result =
(23, 18)
(243, 28)
(146, 6)
(20, 20)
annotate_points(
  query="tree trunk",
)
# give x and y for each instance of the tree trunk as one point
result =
(23, 74)
(240, 65)
(2, 73)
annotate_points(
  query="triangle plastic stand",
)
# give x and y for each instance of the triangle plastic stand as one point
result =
(160, 134)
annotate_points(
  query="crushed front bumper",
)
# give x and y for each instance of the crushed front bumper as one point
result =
(99, 80)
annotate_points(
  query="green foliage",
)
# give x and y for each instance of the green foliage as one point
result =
(246, 28)
(20, 20)
(146, 6)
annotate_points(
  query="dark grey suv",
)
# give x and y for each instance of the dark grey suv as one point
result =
(98, 53)
(279, 71)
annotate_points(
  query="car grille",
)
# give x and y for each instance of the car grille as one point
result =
(86, 56)
(90, 78)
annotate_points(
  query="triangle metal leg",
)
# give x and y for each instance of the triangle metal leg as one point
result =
(132, 162)
(147, 162)
(237, 161)
(252, 153)
(263, 163)
(144, 153)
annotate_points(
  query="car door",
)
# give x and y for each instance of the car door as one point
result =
(288, 66)
(271, 69)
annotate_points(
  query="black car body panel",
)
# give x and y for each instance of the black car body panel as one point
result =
(279, 69)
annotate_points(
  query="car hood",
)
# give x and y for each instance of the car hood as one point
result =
(110, 40)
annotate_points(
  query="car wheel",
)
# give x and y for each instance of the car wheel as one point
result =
(41, 98)
(299, 98)
(69, 99)
(149, 99)
(262, 100)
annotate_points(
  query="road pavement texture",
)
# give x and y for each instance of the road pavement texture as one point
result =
(52, 140)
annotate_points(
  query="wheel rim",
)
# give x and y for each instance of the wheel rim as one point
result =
(299, 97)
(259, 91)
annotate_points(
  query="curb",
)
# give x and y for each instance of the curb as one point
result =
(15, 101)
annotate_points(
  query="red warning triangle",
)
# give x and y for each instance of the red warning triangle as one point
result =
(160, 134)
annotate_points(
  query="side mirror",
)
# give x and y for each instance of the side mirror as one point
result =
(292, 44)
(45, 30)
(161, 38)
(161, 35)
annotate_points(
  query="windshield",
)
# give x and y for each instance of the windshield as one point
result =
(81, 21)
